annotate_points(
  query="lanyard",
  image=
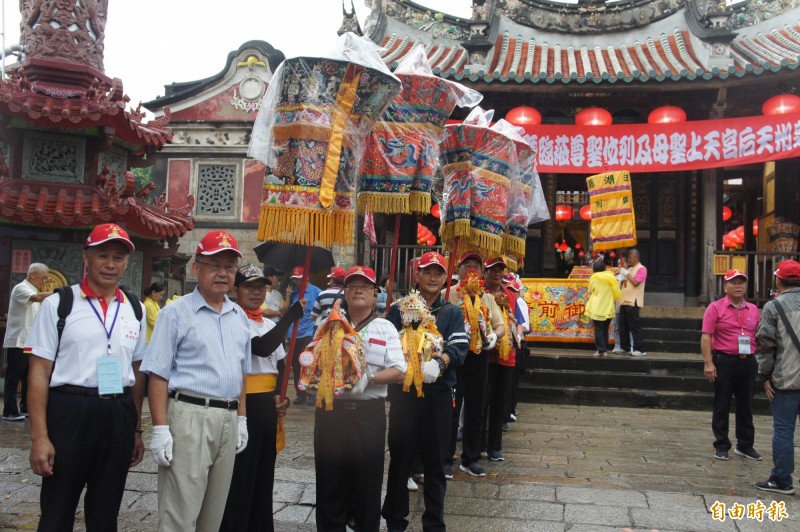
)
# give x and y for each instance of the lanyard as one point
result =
(103, 323)
(738, 315)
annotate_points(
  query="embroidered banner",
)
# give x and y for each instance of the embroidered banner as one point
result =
(665, 147)
(613, 222)
(556, 310)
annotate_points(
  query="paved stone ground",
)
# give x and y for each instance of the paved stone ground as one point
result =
(567, 468)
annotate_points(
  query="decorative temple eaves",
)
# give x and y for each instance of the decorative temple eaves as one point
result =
(666, 56)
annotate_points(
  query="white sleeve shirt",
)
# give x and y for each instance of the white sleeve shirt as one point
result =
(383, 350)
(21, 312)
(85, 339)
(261, 365)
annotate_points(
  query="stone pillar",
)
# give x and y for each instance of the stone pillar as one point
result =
(710, 212)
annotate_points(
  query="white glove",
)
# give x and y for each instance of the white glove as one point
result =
(161, 445)
(623, 272)
(430, 371)
(361, 384)
(488, 343)
(241, 440)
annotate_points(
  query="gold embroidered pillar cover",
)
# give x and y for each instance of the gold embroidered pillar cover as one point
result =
(310, 134)
(613, 223)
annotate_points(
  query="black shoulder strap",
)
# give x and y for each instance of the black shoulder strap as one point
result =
(785, 320)
(137, 305)
(65, 299)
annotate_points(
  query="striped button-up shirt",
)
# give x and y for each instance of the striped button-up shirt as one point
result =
(200, 351)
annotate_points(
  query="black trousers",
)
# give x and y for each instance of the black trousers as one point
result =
(495, 412)
(629, 325)
(471, 394)
(601, 335)
(16, 371)
(427, 420)
(249, 505)
(348, 460)
(299, 346)
(519, 370)
(735, 376)
(93, 440)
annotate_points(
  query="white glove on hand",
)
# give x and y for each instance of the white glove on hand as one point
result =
(430, 371)
(361, 384)
(161, 445)
(241, 440)
(623, 272)
(488, 343)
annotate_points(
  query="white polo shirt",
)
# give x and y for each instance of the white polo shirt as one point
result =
(84, 339)
(21, 312)
(260, 365)
(383, 350)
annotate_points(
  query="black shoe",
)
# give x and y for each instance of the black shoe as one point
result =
(751, 454)
(311, 400)
(495, 456)
(771, 485)
(505, 427)
(299, 400)
(448, 471)
(473, 469)
(14, 417)
(719, 454)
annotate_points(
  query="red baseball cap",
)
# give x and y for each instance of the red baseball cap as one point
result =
(732, 274)
(470, 255)
(360, 271)
(494, 262)
(216, 242)
(106, 233)
(788, 270)
(431, 258)
(337, 273)
(298, 272)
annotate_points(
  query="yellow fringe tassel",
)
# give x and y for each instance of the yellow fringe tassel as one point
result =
(419, 202)
(513, 245)
(490, 244)
(307, 227)
(383, 202)
(411, 343)
(472, 309)
(456, 229)
(511, 262)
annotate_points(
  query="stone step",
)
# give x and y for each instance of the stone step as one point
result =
(655, 363)
(690, 324)
(618, 380)
(630, 398)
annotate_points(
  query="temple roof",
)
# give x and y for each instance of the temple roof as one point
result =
(668, 47)
(71, 205)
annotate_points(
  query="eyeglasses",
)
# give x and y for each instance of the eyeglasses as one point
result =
(360, 287)
(230, 269)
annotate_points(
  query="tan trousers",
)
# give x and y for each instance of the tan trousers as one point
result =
(193, 490)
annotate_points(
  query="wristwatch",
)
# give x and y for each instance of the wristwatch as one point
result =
(370, 377)
(442, 365)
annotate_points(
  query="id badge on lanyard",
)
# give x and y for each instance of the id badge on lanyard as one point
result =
(744, 345)
(109, 367)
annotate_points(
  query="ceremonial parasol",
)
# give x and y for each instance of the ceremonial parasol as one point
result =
(309, 133)
(284, 257)
(401, 158)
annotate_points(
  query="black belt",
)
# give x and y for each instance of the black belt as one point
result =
(200, 401)
(358, 405)
(83, 391)
(732, 354)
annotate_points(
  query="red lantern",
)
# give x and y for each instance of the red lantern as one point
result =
(436, 211)
(563, 247)
(668, 114)
(524, 116)
(728, 242)
(613, 254)
(586, 212)
(593, 116)
(726, 213)
(577, 245)
(755, 226)
(581, 254)
(735, 238)
(563, 213)
(557, 246)
(781, 104)
(739, 231)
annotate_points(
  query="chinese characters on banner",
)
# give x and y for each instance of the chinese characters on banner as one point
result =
(613, 221)
(665, 147)
(20, 260)
(556, 310)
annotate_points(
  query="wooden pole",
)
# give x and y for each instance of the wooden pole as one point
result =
(450, 267)
(293, 341)
(393, 259)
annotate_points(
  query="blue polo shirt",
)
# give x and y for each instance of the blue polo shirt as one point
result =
(306, 324)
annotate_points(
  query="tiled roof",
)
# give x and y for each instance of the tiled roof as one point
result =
(70, 205)
(658, 58)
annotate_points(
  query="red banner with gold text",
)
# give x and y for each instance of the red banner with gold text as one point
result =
(665, 147)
